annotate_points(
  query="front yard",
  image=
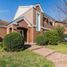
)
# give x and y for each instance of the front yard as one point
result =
(24, 58)
(61, 47)
(13, 53)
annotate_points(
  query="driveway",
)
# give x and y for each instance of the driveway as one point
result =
(59, 59)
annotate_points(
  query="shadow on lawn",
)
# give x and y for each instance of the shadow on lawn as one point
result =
(20, 48)
(26, 46)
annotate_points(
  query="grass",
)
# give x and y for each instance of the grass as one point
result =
(24, 58)
(61, 47)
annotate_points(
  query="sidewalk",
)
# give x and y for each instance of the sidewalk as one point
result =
(59, 59)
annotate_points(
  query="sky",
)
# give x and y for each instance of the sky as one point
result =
(8, 8)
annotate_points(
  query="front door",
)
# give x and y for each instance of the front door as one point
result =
(23, 32)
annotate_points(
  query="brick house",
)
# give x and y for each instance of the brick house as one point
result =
(30, 21)
(3, 28)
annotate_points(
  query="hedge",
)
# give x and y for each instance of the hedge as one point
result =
(52, 37)
(49, 37)
(13, 41)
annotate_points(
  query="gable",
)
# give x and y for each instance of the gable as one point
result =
(22, 23)
(21, 10)
(38, 7)
(26, 12)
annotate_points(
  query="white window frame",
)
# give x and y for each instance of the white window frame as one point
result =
(22, 32)
(38, 22)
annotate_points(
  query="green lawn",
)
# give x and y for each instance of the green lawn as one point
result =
(24, 58)
(62, 47)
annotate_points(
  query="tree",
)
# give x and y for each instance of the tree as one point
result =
(61, 10)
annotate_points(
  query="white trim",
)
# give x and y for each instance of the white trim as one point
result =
(34, 25)
(30, 43)
(21, 11)
(30, 7)
(40, 7)
(26, 7)
(17, 20)
(41, 27)
(27, 22)
(39, 23)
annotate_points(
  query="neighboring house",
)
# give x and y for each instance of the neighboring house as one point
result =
(3, 28)
(63, 24)
(30, 21)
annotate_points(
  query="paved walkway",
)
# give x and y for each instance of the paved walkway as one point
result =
(59, 59)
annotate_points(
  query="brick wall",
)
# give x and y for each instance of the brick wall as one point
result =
(3, 31)
(23, 23)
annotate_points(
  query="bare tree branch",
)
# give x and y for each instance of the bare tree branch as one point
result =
(65, 3)
(64, 11)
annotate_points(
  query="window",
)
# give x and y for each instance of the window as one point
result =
(37, 22)
(22, 32)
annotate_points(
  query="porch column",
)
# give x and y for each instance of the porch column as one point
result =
(30, 35)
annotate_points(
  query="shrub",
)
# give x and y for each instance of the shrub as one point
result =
(51, 37)
(60, 31)
(13, 41)
(40, 40)
(1, 45)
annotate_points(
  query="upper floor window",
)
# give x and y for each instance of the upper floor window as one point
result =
(37, 21)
